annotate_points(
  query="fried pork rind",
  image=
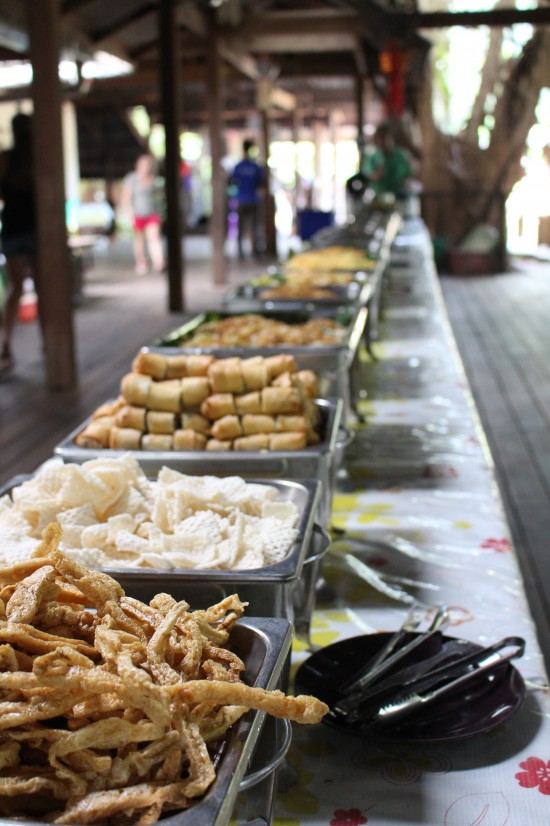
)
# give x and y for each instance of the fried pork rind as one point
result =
(110, 709)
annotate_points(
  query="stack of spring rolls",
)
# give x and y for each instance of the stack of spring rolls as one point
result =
(199, 402)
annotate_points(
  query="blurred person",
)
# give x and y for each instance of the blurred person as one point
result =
(388, 168)
(18, 233)
(249, 178)
(139, 200)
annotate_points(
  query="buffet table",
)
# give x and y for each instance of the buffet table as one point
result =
(418, 503)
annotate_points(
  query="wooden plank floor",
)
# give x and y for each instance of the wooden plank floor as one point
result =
(502, 331)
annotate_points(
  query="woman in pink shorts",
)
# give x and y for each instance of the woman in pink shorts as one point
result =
(139, 201)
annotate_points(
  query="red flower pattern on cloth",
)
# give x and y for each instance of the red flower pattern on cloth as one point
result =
(349, 817)
(501, 546)
(536, 773)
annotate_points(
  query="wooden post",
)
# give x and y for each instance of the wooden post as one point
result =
(170, 95)
(360, 103)
(218, 226)
(269, 207)
(53, 262)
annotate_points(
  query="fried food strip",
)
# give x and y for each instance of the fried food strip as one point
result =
(300, 709)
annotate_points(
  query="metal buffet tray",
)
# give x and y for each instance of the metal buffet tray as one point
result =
(247, 299)
(264, 645)
(335, 364)
(269, 590)
(313, 462)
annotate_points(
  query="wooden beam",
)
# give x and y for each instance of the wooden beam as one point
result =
(241, 61)
(53, 254)
(495, 18)
(69, 6)
(269, 200)
(218, 223)
(170, 95)
(191, 17)
(123, 22)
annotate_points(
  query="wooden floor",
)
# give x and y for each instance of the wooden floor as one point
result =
(502, 328)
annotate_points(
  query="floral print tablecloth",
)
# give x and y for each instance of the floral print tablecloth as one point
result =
(417, 502)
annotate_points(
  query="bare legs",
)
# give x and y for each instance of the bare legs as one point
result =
(151, 234)
(154, 242)
(17, 269)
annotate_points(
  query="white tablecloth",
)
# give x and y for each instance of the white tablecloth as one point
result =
(420, 488)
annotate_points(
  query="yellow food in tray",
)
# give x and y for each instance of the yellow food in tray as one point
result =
(331, 258)
(251, 330)
(112, 709)
(203, 405)
(297, 290)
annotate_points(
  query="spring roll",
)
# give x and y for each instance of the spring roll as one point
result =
(308, 381)
(226, 376)
(228, 427)
(258, 423)
(198, 365)
(194, 390)
(248, 403)
(165, 395)
(286, 424)
(287, 441)
(135, 388)
(189, 440)
(259, 441)
(150, 364)
(196, 422)
(125, 438)
(109, 408)
(176, 367)
(156, 441)
(215, 444)
(129, 416)
(97, 433)
(281, 400)
(255, 373)
(160, 421)
(282, 363)
(218, 405)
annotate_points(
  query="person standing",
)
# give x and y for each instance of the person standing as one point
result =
(388, 167)
(140, 200)
(18, 233)
(249, 179)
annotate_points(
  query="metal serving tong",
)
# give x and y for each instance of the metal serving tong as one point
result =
(416, 686)
(354, 691)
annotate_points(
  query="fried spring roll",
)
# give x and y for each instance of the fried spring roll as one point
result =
(287, 441)
(308, 381)
(109, 408)
(97, 433)
(160, 421)
(125, 438)
(259, 423)
(228, 427)
(248, 403)
(287, 424)
(259, 441)
(129, 416)
(150, 364)
(135, 388)
(281, 363)
(255, 373)
(176, 367)
(198, 365)
(226, 376)
(196, 422)
(156, 441)
(215, 444)
(194, 390)
(281, 400)
(165, 395)
(189, 440)
(218, 405)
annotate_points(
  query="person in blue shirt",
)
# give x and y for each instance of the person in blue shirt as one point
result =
(248, 177)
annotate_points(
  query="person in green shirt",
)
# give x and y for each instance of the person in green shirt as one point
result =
(388, 167)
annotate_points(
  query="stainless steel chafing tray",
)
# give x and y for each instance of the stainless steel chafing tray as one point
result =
(335, 364)
(264, 646)
(269, 590)
(247, 299)
(313, 462)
